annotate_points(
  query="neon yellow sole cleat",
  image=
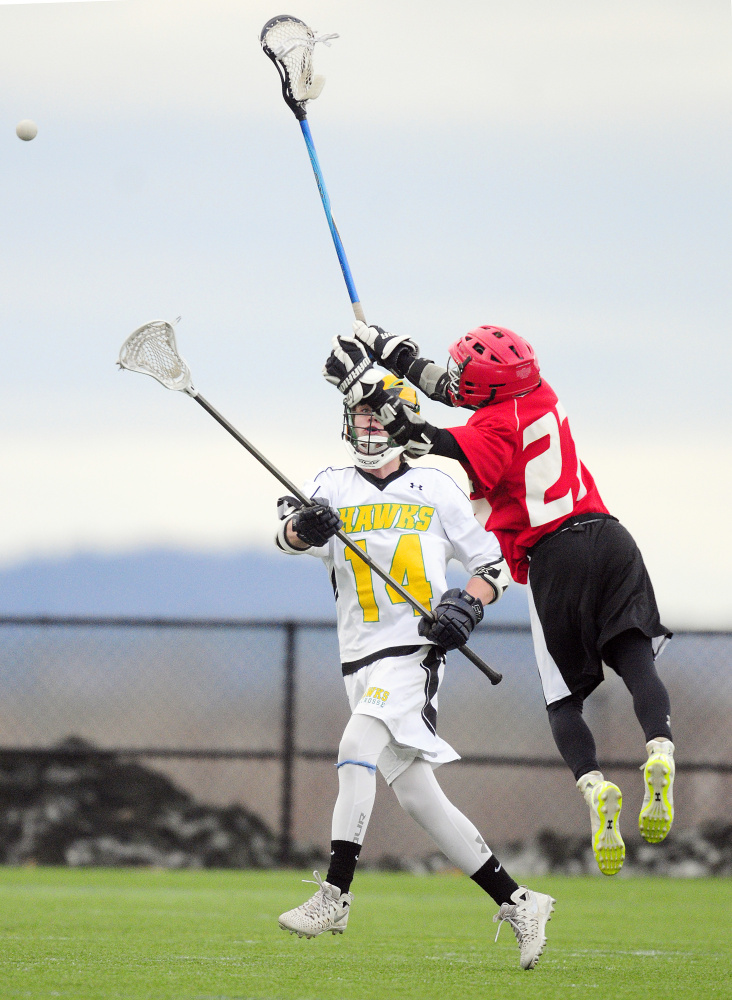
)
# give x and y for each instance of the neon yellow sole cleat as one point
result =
(657, 812)
(605, 802)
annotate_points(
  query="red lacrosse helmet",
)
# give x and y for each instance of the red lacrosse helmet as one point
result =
(491, 364)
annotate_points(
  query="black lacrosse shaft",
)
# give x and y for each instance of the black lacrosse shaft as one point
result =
(493, 676)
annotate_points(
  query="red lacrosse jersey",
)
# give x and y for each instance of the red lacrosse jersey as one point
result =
(525, 474)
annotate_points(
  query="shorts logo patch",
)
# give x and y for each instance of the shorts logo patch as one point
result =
(375, 696)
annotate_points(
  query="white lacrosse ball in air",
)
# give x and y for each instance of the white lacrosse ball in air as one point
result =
(26, 130)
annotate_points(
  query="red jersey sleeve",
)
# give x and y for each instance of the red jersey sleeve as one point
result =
(489, 448)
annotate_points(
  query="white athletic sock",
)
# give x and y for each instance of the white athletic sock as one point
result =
(363, 740)
(422, 798)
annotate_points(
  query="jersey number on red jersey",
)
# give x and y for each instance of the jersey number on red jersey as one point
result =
(546, 471)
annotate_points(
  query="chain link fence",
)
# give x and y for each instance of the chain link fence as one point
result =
(251, 713)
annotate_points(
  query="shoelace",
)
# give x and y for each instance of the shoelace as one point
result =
(523, 927)
(317, 904)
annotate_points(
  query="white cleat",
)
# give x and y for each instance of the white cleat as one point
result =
(327, 910)
(657, 811)
(528, 914)
(605, 801)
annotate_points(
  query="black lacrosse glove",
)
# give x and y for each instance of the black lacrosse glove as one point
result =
(394, 353)
(315, 525)
(351, 370)
(405, 428)
(456, 616)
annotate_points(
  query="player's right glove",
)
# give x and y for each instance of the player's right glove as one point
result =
(456, 616)
(396, 354)
(315, 525)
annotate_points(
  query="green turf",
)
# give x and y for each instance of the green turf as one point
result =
(159, 935)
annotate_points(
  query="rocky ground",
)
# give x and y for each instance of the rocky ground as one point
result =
(75, 806)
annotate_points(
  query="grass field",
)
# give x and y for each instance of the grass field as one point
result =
(159, 935)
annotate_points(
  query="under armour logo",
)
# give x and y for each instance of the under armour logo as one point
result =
(609, 824)
(658, 796)
(483, 846)
(416, 486)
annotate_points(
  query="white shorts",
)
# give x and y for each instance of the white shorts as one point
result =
(402, 692)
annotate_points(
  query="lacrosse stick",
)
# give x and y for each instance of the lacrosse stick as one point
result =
(152, 350)
(289, 43)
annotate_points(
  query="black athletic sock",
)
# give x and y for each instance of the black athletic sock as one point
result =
(495, 881)
(630, 654)
(343, 859)
(572, 735)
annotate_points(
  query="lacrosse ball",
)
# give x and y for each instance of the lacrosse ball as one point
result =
(26, 130)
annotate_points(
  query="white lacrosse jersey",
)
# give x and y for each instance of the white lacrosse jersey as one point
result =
(411, 525)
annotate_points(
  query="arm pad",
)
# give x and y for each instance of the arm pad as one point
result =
(287, 507)
(497, 574)
(432, 379)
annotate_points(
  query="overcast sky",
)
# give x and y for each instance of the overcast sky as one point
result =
(563, 169)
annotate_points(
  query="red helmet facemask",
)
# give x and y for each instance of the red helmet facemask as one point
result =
(491, 364)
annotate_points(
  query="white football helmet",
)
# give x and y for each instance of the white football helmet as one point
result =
(369, 446)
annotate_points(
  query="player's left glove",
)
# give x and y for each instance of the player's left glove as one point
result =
(351, 370)
(456, 616)
(404, 427)
(315, 525)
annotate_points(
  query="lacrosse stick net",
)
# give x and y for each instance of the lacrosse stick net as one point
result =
(289, 43)
(152, 350)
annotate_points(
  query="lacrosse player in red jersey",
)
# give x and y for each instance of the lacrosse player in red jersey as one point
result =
(413, 521)
(590, 597)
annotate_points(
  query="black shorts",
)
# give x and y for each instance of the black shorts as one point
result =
(587, 584)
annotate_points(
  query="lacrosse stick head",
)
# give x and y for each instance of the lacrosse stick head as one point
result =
(152, 350)
(289, 43)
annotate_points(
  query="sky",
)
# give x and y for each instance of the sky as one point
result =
(561, 169)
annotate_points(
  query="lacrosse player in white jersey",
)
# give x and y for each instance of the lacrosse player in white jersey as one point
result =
(411, 521)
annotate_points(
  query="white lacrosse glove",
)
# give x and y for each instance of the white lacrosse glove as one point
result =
(394, 353)
(351, 370)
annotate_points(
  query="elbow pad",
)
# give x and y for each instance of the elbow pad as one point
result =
(497, 574)
(287, 507)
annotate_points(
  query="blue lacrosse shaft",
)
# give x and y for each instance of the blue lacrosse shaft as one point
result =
(355, 302)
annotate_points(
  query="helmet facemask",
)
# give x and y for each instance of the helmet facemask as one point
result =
(455, 371)
(366, 441)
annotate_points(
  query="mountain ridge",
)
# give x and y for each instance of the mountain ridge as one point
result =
(174, 583)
